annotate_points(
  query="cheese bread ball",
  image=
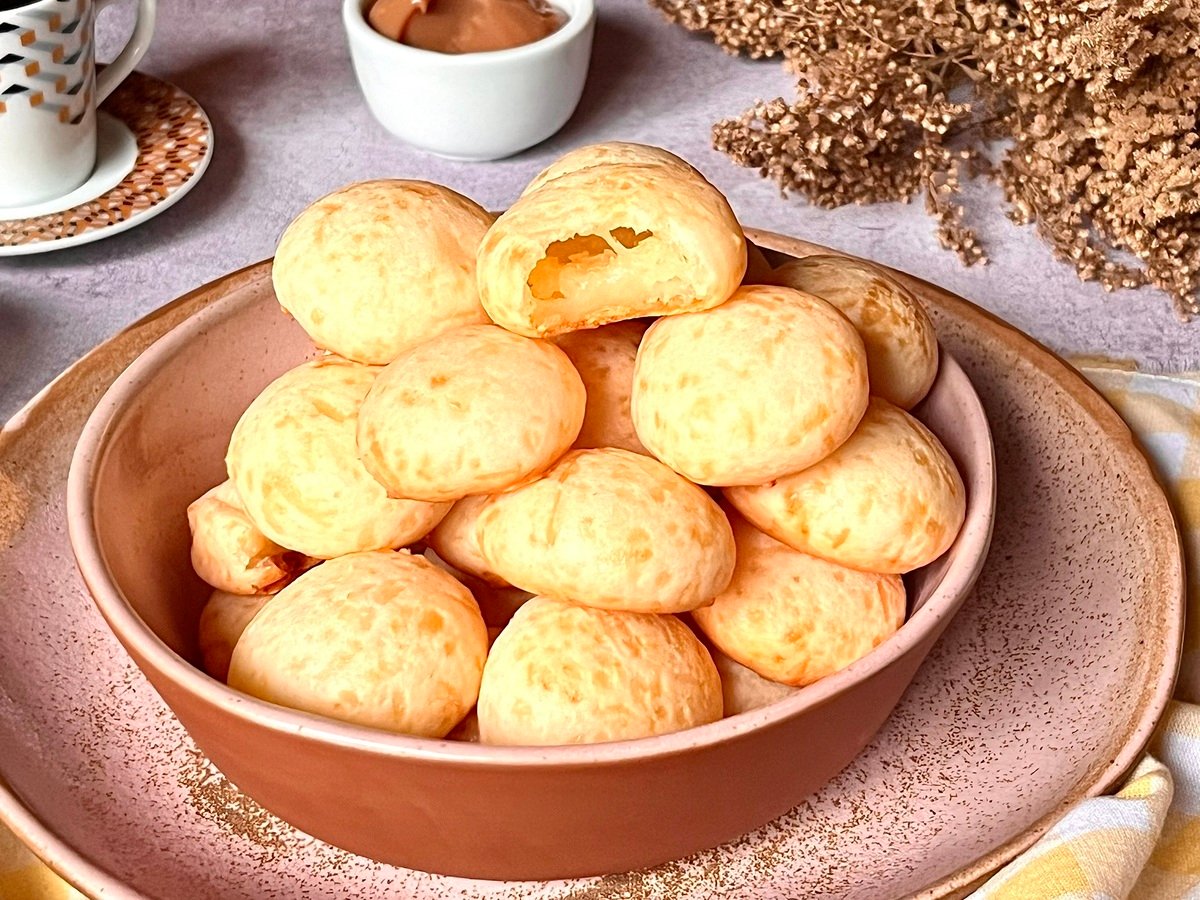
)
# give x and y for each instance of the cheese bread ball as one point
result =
(606, 243)
(455, 540)
(222, 621)
(566, 674)
(605, 359)
(383, 638)
(294, 463)
(744, 689)
(887, 500)
(902, 350)
(228, 550)
(608, 153)
(766, 384)
(469, 412)
(610, 529)
(794, 618)
(381, 265)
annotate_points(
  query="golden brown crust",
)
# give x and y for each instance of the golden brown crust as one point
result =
(469, 412)
(609, 153)
(382, 638)
(230, 553)
(222, 621)
(901, 343)
(793, 618)
(455, 539)
(766, 384)
(743, 689)
(605, 358)
(294, 463)
(610, 529)
(887, 500)
(566, 674)
(381, 265)
(497, 602)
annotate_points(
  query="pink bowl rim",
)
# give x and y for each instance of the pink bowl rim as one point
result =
(969, 549)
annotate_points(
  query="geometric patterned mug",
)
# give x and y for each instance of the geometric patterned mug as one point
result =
(49, 91)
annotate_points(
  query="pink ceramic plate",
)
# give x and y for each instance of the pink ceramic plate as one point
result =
(1044, 688)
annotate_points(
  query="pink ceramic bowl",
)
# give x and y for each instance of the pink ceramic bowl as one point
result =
(156, 441)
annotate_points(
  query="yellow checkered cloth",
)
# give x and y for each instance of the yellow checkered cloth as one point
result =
(24, 877)
(1143, 842)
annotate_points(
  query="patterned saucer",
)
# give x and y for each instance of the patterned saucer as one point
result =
(174, 142)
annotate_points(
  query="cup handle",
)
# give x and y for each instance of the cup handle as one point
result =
(118, 70)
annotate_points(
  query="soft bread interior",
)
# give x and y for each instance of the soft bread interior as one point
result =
(590, 275)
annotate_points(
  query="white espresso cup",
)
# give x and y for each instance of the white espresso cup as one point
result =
(49, 90)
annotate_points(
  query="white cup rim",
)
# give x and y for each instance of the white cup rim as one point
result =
(578, 19)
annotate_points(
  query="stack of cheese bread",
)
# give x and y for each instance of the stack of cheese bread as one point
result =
(588, 471)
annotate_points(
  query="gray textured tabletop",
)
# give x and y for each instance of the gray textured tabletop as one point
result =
(290, 125)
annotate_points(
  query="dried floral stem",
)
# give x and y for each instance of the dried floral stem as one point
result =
(1096, 100)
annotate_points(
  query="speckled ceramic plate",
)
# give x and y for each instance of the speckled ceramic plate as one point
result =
(1044, 689)
(174, 146)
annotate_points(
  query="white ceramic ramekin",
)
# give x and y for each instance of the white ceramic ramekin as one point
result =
(473, 106)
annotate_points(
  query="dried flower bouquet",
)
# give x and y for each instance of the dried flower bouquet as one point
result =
(1092, 107)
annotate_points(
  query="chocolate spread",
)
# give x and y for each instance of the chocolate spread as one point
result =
(464, 26)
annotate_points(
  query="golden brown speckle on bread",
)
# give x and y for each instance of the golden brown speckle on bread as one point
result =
(794, 618)
(381, 265)
(888, 500)
(295, 466)
(382, 638)
(567, 674)
(230, 552)
(609, 153)
(901, 344)
(610, 242)
(470, 411)
(455, 539)
(605, 359)
(611, 529)
(765, 384)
